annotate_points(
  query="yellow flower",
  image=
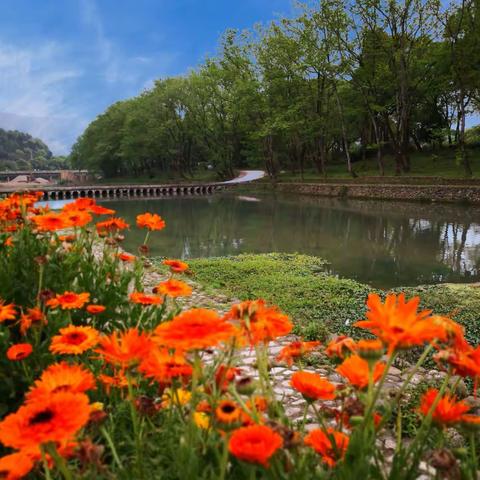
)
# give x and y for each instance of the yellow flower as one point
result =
(97, 406)
(178, 396)
(201, 420)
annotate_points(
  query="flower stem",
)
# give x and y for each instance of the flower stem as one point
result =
(412, 373)
(109, 440)
(305, 413)
(40, 283)
(373, 400)
(473, 452)
(59, 461)
(136, 429)
(45, 464)
(224, 459)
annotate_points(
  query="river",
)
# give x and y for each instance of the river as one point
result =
(386, 244)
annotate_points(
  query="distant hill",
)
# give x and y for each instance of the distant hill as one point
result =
(21, 151)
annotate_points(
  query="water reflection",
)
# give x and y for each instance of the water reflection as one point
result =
(383, 243)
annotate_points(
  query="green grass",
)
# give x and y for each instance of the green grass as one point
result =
(441, 163)
(298, 284)
(319, 303)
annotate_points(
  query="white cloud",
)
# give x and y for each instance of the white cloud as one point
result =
(34, 89)
(52, 89)
(91, 17)
(115, 65)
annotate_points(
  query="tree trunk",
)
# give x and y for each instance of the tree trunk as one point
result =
(344, 135)
(378, 141)
(416, 142)
(461, 139)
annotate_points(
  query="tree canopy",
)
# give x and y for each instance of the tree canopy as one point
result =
(336, 82)
(21, 151)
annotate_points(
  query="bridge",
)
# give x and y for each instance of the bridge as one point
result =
(135, 191)
(127, 191)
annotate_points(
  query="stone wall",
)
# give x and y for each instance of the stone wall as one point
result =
(426, 193)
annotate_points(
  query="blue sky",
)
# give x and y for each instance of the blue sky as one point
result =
(62, 62)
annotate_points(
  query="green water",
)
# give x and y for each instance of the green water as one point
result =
(386, 244)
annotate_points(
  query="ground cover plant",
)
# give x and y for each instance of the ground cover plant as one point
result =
(322, 304)
(104, 380)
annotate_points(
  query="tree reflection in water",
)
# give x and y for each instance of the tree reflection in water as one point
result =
(385, 244)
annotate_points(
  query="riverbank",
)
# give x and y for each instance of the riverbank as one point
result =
(422, 193)
(320, 304)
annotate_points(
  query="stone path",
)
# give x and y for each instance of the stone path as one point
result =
(280, 373)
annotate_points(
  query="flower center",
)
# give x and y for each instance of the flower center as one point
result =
(228, 408)
(76, 338)
(41, 417)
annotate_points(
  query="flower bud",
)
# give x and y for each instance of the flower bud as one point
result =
(356, 420)
(370, 350)
(246, 385)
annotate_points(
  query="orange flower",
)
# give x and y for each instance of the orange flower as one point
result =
(455, 333)
(225, 375)
(61, 377)
(111, 226)
(470, 421)
(77, 218)
(164, 366)
(447, 409)
(54, 418)
(228, 412)
(331, 445)
(398, 324)
(312, 386)
(152, 221)
(126, 257)
(340, 346)
(173, 288)
(74, 340)
(355, 369)
(119, 380)
(194, 329)
(176, 266)
(465, 362)
(260, 323)
(67, 238)
(19, 351)
(15, 466)
(95, 309)
(33, 315)
(144, 299)
(69, 300)
(295, 350)
(255, 444)
(87, 205)
(7, 311)
(260, 404)
(50, 222)
(124, 348)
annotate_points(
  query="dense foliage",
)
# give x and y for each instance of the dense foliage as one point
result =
(103, 380)
(21, 151)
(337, 82)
